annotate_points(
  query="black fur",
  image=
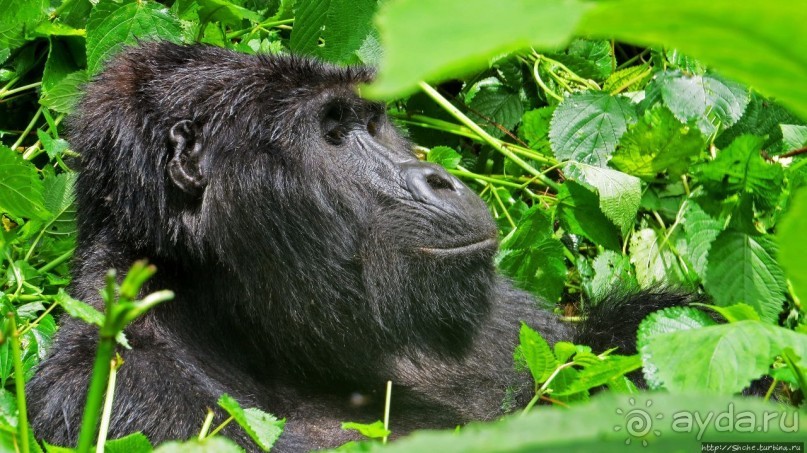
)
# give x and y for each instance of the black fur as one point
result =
(312, 256)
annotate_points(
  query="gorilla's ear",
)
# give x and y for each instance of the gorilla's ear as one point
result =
(185, 167)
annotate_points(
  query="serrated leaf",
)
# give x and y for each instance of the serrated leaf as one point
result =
(658, 143)
(112, 26)
(762, 117)
(590, 59)
(708, 101)
(620, 194)
(444, 156)
(79, 309)
(632, 78)
(496, 105)
(133, 443)
(672, 319)
(539, 269)
(564, 351)
(21, 190)
(59, 199)
(701, 230)
(18, 17)
(602, 372)
(64, 95)
(792, 246)
(373, 430)
(534, 128)
(611, 270)
(740, 168)
(721, 359)
(579, 213)
(262, 427)
(224, 12)
(535, 350)
(347, 26)
(655, 263)
(793, 136)
(586, 127)
(742, 268)
(53, 146)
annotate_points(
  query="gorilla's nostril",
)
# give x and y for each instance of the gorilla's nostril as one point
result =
(438, 182)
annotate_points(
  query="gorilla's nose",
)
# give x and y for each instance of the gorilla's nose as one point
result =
(432, 184)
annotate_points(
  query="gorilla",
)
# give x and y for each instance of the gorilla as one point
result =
(312, 255)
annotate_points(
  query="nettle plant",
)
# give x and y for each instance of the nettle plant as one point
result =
(610, 157)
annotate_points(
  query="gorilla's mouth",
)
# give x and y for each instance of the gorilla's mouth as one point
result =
(483, 245)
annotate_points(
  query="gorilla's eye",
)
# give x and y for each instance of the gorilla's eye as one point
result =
(333, 124)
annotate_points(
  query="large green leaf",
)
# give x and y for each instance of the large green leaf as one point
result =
(653, 259)
(435, 40)
(658, 143)
(759, 43)
(792, 244)
(665, 422)
(701, 230)
(708, 101)
(721, 359)
(579, 213)
(743, 268)
(586, 127)
(342, 25)
(536, 353)
(620, 194)
(62, 97)
(496, 107)
(21, 190)
(19, 17)
(263, 428)
(112, 26)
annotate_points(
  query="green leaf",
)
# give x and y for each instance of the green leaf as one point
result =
(209, 445)
(444, 156)
(534, 128)
(540, 268)
(632, 78)
(721, 359)
(611, 270)
(762, 117)
(21, 190)
(415, 45)
(263, 428)
(590, 59)
(701, 230)
(535, 350)
(59, 200)
(79, 309)
(579, 213)
(736, 312)
(373, 430)
(348, 24)
(602, 426)
(620, 194)
(658, 143)
(19, 16)
(586, 126)
(793, 136)
(742, 268)
(496, 105)
(53, 146)
(653, 259)
(64, 95)
(792, 246)
(224, 12)
(111, 26)
(604, 371)
(133, 443)
(755, 42)
(672, 319)
(707, 101)
(740, 169)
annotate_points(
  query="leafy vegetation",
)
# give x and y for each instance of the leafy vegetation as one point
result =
(627, 143)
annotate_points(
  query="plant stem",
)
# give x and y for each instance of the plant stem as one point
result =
(206, 424)
(19, 384)
(57, 261)
(467, 174)
(387, 402)
(4, 93)
(268, 24)
(27, 130)
(220, 427)
(95, 394)
(36, 322)
(114, 364)
(496, 144)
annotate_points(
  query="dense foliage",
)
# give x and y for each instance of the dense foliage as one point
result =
(609, 158)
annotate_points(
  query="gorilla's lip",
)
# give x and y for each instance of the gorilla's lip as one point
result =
(487, 243)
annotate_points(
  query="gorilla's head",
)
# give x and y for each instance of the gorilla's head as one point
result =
(325, 230)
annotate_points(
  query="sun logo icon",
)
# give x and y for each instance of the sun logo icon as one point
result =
(638, 422)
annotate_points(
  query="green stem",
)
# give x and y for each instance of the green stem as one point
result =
(4, 93)
(387, 403)
(496, 144)
(114, 364)
(206, 424)
(19, 384)
(57, 261)
(95, 394)
(36, 322)
(268, 24)
(27, 129)
(468, 174)
(220, 427)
